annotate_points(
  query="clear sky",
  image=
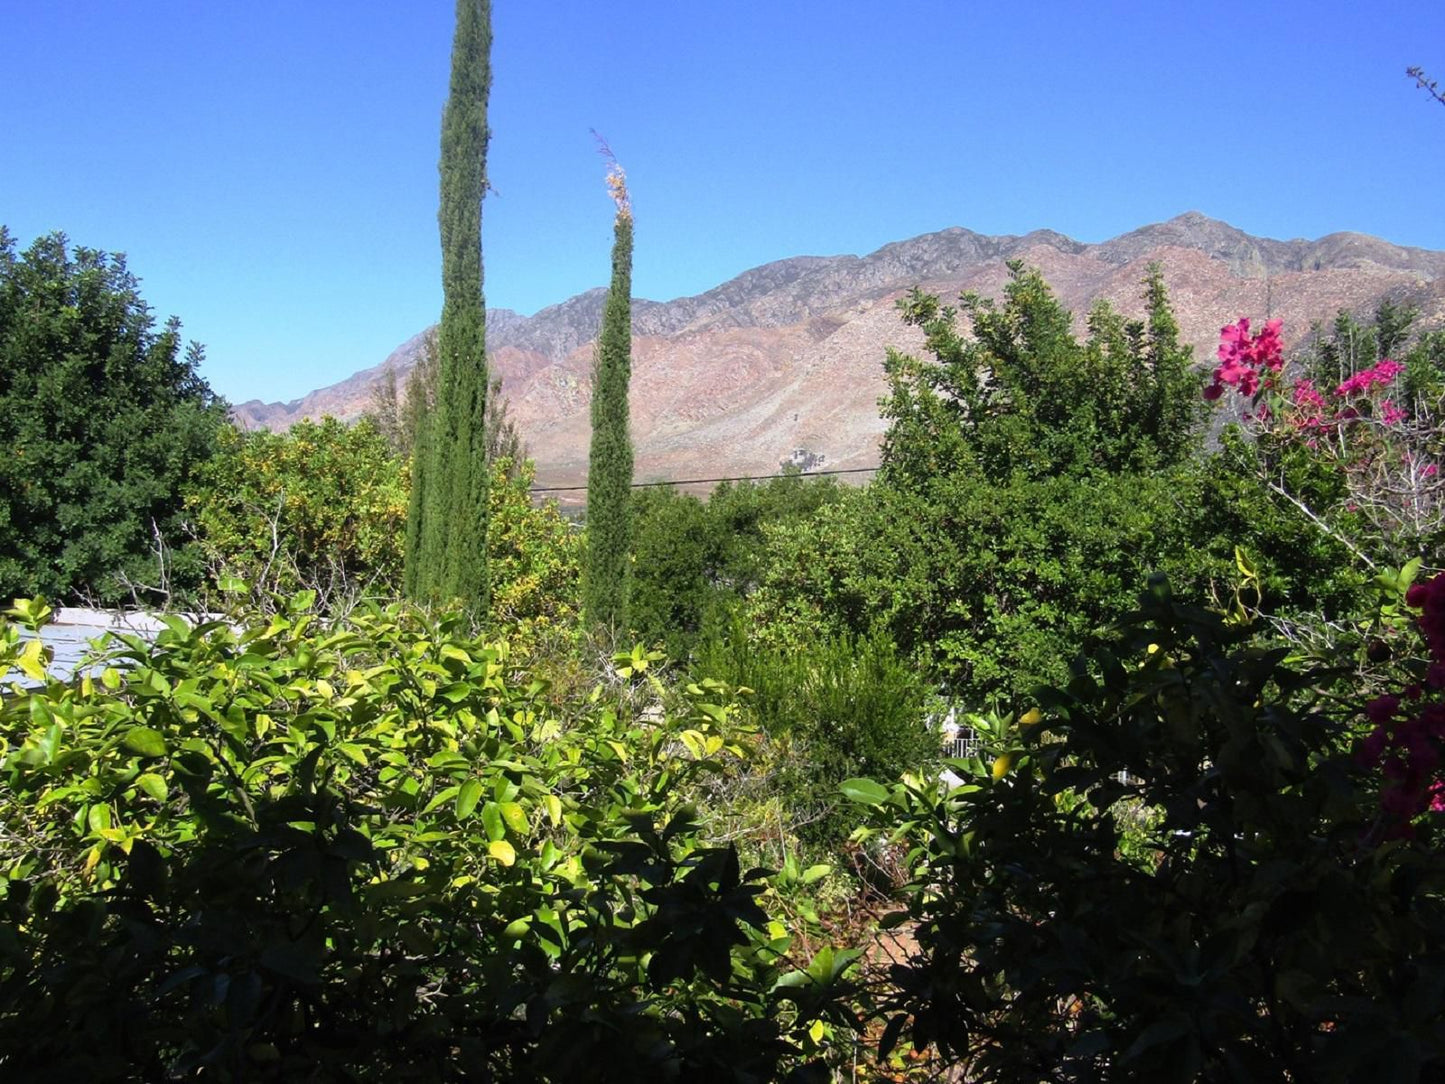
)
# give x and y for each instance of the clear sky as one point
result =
(270, 168)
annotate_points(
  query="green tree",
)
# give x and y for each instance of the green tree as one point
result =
(321, 506)
(447, 522)
(104, 420)
(697, 562)
(609, 463)
(1029, 481)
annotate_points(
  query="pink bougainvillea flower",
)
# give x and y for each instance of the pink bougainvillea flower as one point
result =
(1381, 709)
(1266, 350)
(1386, 371)
(1307, 395)
(1390, 414)
(1379, 375)
(1243, 359)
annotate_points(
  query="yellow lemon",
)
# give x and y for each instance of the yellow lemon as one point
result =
(1002, 765)
(1032, 717)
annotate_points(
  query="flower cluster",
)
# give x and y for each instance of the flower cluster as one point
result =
(1378, 376)
(1252, 364)
(1243, 359)
(1409, 729)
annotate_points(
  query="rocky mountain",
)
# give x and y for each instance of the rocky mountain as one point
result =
(784, 362)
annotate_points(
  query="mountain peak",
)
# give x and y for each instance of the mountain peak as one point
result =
(788, 355)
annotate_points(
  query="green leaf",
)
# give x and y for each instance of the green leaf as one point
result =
(492, 821)
(864, 791)
(98, 818)
(145, 741)
(468, 797)
(153, 786)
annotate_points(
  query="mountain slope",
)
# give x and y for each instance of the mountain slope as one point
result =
(788, 356)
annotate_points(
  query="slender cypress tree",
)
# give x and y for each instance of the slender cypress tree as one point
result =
(609, 465)
(447, 525)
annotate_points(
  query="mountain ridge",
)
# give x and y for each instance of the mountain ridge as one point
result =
(729, 375)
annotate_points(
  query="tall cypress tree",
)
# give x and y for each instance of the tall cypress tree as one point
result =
(609, 465)
(446, 554)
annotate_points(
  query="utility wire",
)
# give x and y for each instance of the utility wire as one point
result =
(709, 481)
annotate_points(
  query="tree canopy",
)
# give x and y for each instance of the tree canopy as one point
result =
(105, 419)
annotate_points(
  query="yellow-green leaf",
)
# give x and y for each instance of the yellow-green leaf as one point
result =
(502, 851)
(32, 660)
(153, 786)
(146, 741)
(515, 816)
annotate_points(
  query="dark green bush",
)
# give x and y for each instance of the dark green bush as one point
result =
(1250, 926)
(844, 706)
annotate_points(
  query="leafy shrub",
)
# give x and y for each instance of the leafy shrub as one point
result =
(362, 851)
(695, 561)
(1260, 932)
(1030, 481)
(845, 706)
(321, 506)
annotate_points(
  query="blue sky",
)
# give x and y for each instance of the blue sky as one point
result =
(270, 168)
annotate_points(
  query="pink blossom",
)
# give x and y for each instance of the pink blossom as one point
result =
(1382, 709)
(1307, 395)
(1379, 375)
(1390, 414)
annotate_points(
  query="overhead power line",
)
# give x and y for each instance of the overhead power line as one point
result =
(710, 481)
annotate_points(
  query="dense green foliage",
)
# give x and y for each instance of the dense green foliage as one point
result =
(321, 506)
(609, 462)
(447, 522)
(103, 422)
(846, 706)
(535, 561)
(327, 840)
(1030, 481)
(372, 851)
(696, 562)
(1254, 927)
